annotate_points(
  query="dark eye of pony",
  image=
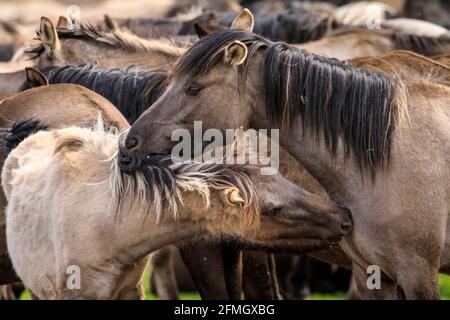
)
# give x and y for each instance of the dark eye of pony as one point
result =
(193, 89)
(272, 212)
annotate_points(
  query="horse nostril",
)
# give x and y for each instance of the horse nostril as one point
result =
(129, 164)
(125, 161)
(131, 142)
(346, 226)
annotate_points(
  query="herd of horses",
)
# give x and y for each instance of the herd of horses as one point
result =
(88, 109)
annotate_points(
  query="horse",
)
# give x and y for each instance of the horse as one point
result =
(349, 43)
(54, 106)
(165, 202)
(375, 139)
(106, 49)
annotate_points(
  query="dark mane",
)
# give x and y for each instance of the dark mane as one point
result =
(424, 45)
(292, 26)
(20, 130)
(334, 100)
(131, 90)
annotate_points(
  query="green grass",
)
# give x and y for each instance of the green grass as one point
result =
(444, 280)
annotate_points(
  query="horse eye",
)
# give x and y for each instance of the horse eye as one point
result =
(272, 212)
(193, 89)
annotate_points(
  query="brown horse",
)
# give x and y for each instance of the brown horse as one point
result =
(375, 138)
(357, 42)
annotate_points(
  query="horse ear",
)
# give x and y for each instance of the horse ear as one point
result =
(235, 53)
(64, 23)
(231, 196)
(244, 21)
(35, 77)
(48, 35)
(110, 23)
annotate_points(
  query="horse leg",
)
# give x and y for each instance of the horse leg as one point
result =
(273, 277)
(257, 282)
(352, 293)
(415, 278)
(205, 263)
(163, 278)
(232, 262)
(419, 281)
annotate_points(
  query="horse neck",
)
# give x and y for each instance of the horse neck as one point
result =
(331, 171)
(145, 238)
(335, 173)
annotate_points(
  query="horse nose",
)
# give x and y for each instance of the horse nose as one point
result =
(129, 164)
(132, 142)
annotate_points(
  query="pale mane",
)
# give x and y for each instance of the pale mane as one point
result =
(118, 39)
